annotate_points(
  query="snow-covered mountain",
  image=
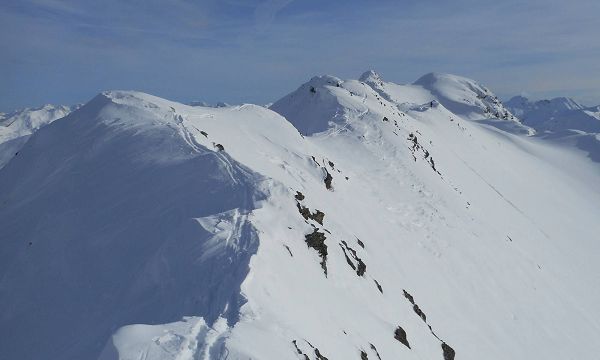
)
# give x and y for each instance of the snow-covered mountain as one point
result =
(556, 115)
(17, 126)
(562, 121)
(353, 219)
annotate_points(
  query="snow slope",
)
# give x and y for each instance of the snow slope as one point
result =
(370, 221)
(17, 126)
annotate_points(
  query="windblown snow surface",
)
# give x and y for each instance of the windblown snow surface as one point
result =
(355, 219)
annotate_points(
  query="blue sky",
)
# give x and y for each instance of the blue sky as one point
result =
(61, 51)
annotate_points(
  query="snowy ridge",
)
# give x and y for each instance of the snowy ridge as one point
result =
(353, 219)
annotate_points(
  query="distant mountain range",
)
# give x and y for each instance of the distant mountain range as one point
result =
(555, 115)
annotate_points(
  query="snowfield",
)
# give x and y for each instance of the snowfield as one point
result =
(352, 219)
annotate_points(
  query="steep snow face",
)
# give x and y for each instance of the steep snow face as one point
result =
(16, 127)
(392, 228)
(555, 115)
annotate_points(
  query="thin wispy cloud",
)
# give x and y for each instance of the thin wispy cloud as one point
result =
(266, 11)
(256, 51)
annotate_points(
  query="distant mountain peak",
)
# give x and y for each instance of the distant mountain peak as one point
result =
(464, 96)
(431, 78)
(555, 115)
(370, 75)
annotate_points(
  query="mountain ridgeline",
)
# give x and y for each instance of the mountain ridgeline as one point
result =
(351, 219)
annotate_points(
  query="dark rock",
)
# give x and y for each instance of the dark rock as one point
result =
(300, 351)
(328, 179)
(219, 147)
(304, 211)
(375, 349)
(415, 306)
(299, 196)
(313, 90)
(204, 133)
(363, 355)
(318, 216)
(409, 297)
(433, 332)
(360, 267)
(348, 259)
(288, 249)
(316, 240)
(360, 243)
(385, 119)
(319, 356)
(331, 164)
(378, 286)
(400, 335)
(448, 352)
(419, 312)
